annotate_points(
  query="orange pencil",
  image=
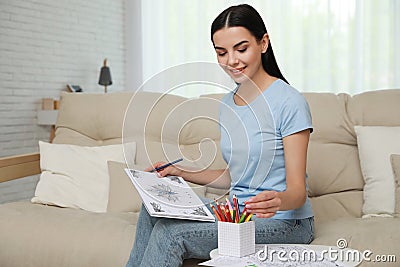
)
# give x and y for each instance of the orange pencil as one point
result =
(215, 212)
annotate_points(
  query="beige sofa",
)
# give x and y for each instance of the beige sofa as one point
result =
(42, 235)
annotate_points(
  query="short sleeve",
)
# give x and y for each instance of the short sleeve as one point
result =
(296, 115)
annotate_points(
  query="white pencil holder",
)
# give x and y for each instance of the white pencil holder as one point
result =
(236, 239)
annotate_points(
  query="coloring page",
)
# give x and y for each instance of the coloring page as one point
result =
(169, 196)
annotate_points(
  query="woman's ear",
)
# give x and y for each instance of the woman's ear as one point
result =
(264, 43)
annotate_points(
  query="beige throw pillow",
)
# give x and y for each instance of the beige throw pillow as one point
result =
(77, 176)
(395, 160)
(375, 145)
(123, 195)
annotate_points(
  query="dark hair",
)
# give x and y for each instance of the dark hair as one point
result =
(246, 16)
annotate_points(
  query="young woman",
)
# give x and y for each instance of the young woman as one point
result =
(265, 129)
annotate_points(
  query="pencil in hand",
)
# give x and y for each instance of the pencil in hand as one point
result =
(166, 165)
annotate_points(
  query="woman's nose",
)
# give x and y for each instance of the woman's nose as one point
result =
(232, 59)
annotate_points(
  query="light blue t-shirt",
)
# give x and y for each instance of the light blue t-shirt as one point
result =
(252, 141)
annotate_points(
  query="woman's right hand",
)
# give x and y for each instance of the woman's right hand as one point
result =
(173, 170)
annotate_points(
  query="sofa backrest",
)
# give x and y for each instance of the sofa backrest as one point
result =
(335, 178)
(168, 126)
(164, 127)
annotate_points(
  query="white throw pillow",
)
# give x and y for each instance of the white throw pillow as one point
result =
(375, 145)
(77, 176)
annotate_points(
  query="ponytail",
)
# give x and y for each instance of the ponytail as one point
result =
(270, 65)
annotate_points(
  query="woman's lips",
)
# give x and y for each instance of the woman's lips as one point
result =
(237, 71)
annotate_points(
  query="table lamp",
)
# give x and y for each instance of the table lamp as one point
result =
(105, 76)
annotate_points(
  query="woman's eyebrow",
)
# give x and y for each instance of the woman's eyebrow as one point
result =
(236, 45)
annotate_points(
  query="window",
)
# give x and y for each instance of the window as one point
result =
(321, 46)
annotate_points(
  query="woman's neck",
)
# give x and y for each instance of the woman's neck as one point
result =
(250, 89)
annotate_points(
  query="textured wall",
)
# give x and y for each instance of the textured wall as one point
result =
(45, 44)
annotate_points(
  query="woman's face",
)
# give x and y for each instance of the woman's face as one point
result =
(239, 53)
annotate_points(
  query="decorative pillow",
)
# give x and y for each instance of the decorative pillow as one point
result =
(123, 195)
(77, 176)
(395, 160)
(375, 145)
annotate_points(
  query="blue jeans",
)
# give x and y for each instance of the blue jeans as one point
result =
(167, 242)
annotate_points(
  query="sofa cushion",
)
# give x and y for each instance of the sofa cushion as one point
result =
(77, 176)
(332, 164)
(379, 235)
(336, 205)
(91, 119)
(395, 160)
(50, 236)
(375, 145)
(123, 195)
(375, 108)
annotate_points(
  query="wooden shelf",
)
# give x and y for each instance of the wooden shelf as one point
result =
(47, 117)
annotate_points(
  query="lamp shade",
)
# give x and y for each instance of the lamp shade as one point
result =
(105, 75)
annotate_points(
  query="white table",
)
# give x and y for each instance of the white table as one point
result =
(289, 255)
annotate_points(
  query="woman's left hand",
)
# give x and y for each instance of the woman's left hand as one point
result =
(264, 204)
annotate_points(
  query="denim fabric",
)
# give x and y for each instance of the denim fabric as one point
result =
(167, 242)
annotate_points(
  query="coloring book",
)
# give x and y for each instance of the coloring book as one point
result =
(169, 197)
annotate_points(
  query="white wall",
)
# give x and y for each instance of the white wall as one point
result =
(133, 42)
(45, 44)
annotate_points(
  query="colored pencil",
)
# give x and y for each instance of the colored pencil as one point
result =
(230, 207)
(244, 210)
(248, 217)
(242, 217)
(226, 219)
(218, 208)
(228, 213)
(235, 203)
(215, 212)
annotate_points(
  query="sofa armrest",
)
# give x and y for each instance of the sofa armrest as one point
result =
(19, 166)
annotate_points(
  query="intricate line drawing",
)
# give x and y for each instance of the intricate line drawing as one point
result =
(135, 174)
(165, 191)
(172, 198)
(175, 179)
(199, 211)
(156, 207)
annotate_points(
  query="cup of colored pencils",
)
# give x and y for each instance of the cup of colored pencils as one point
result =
(227, 212)
(236, 231)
